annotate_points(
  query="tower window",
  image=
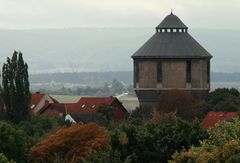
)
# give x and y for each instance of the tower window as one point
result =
(208, 71)
(174, 30)
(188, 71)
(159, 72)
(136, 72)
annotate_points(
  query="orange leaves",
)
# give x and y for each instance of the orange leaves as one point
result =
(75, 142)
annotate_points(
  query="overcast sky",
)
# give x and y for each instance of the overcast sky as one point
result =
(22, 14)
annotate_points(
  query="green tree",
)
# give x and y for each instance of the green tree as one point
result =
(141, 114)
(221, 99)
(2, 110)
(3, 159)
(155, 141)
(107, 111)
(222, 145)
(13, 142)
(15, 91)
(117, 87)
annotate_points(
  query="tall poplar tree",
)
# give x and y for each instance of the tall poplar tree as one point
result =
(15, 88)
(2, 110)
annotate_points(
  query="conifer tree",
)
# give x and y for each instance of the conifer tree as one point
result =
(15, 88)
(2, 111)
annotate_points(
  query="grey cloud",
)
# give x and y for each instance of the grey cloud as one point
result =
(105, 13)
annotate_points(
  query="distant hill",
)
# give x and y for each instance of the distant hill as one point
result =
(91, 78)
(83, 77)
(105, 49)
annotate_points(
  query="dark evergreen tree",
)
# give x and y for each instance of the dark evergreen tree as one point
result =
(2, 110)
(15, 88)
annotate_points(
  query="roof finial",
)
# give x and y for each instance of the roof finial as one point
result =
(171, 11)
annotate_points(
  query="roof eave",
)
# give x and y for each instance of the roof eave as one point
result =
(172, 57)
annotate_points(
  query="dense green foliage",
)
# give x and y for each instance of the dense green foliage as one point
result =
(15, 91)
(38, 126)
(16, 140)
(3, 159)
(223, 145)
(141, 114)
(222, 99)
(13, 142)
(150, 141)
(107, 111)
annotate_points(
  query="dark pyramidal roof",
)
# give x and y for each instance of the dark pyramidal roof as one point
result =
(173, 43)
(171, 21)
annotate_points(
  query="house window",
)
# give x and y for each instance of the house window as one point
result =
(159, 72)
(174, 30)
(188, 71)
(208, 71)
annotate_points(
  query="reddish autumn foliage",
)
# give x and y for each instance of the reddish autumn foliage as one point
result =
(179, 102)
(70, 143)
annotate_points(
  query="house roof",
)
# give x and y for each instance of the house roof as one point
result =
(171, 45)
(36, 98)
(86, 118)
(171, 21)
(90, 104)
(214, 117)
(57, 107)
(86, 105)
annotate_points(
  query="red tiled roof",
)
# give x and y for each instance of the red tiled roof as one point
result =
(89, 104)
(214, 117)
(35, 98)
(86, 105)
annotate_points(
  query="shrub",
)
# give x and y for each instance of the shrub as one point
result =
(13, 142)
(75, 142)
(3, 159)
(155, 141)
(222, 145)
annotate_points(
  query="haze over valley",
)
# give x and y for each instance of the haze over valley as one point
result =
(106, 49)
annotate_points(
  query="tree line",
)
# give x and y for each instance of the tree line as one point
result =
(112, 88)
